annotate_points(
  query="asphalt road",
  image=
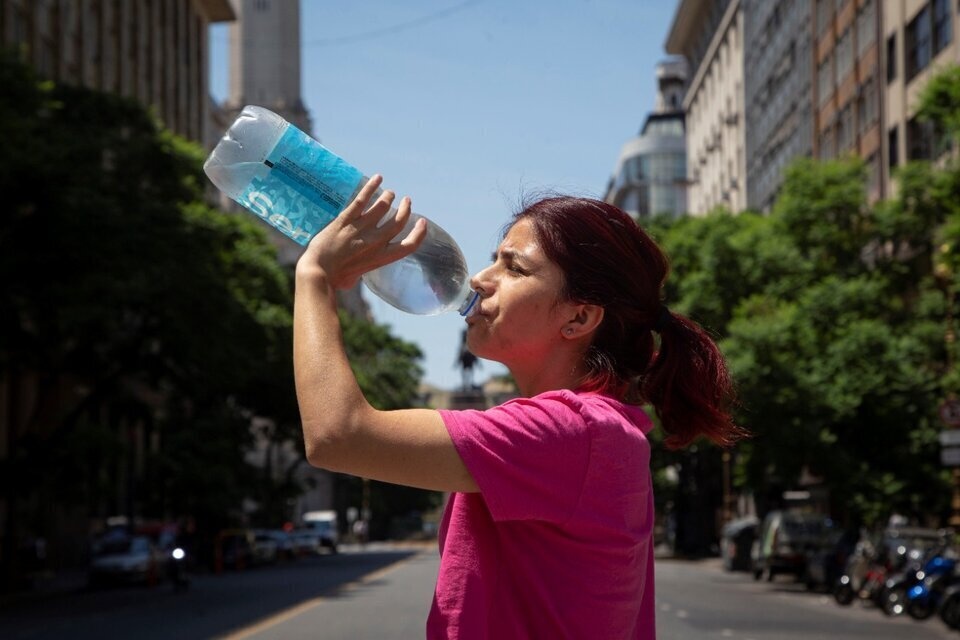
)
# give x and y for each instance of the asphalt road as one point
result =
(384, 592)
(700, 601)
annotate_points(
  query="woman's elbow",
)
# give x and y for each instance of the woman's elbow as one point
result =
(320, 445)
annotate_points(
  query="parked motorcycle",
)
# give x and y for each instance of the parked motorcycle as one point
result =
(178, 569)
(896, 594)
(924, 597)
(864, 575)
(950, 606)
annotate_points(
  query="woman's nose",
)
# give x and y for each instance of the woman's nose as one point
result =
(481, 282)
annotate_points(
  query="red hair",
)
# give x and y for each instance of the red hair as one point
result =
(608, 260)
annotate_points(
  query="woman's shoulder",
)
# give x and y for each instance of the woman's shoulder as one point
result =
(591, 406)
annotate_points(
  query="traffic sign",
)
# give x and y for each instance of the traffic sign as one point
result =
(950, 456)
(950, 412)
(950, 438)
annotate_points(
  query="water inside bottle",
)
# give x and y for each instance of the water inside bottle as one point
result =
(432, 280)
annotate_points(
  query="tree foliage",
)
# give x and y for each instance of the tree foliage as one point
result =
(137, 318)
(833, 314)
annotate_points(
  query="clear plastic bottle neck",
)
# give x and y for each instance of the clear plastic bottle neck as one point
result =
(470, 306)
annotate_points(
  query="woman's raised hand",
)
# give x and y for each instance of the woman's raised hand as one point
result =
(355, 242)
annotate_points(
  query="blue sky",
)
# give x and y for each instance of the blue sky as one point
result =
(468, 105)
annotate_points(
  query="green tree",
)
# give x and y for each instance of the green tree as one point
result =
(124, 302)
(833, 324)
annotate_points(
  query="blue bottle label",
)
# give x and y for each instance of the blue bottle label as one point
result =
(305, 188)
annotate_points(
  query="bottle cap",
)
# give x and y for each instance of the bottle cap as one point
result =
(469, 306)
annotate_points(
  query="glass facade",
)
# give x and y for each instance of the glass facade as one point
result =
(651, 176)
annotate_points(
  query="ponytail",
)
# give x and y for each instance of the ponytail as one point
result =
(689, 385)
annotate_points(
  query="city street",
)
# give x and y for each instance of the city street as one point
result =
(699, 600)
(384, 592)
(217, 606)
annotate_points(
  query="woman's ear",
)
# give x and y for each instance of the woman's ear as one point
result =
(586, 319)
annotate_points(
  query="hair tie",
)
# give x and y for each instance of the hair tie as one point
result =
(663, 319)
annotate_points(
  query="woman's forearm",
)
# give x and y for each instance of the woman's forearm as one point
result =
(329, 397)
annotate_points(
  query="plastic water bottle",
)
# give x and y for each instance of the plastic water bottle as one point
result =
(298, 186)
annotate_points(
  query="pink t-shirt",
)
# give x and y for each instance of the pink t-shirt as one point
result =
(558, 543)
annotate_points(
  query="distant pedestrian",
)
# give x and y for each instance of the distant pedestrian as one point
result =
(360, 531)
(548, 532)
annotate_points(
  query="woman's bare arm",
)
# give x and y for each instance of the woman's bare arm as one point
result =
(341, 430)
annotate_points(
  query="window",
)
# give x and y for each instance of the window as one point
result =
(844, 54)
(893, 147)
(942, 30)
(919, 45)
(845, 130)
(866, 26)
(891, 58)
(919, 140)
(873, 174)
(824, 15)
(825, 79)
(867, 105)
(826, 144)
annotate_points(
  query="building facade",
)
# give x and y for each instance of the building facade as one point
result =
(919, 37)
(710, 36)
(848, 86)
(154, 51)
(777, 93)
(650, 174)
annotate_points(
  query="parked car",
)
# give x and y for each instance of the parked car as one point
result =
(736, 541)
(827, 557)
(305, 541)
(234, 549)
(126, 559)
(265, 549)
(286, 549)
(785, 539)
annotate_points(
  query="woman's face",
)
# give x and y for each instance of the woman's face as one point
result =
(519, 318)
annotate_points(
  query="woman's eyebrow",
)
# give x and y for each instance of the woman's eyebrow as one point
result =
(506, 254)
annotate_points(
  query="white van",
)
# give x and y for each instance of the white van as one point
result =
(325, 525)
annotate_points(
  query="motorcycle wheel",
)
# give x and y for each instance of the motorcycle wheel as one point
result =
(843, 594)
(920, 609)
(950, 611)
(893, 599)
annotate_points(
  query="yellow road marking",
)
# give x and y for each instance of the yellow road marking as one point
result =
(303, 607)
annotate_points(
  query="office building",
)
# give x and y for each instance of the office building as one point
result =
(777, 93)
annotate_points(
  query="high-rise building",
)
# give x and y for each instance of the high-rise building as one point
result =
(777, 95)
(650, 174)
(848, 84)
(155, 52)
(709, 34)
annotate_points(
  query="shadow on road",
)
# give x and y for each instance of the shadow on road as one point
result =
(214, 605)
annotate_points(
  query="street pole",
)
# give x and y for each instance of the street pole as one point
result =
(727, 493)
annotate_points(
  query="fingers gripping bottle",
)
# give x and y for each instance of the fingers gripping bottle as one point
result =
(296, 185)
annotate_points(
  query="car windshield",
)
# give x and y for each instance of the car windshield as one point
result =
(117, 546)
(805, 524)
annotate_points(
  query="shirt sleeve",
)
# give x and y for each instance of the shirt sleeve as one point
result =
(528, 456)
